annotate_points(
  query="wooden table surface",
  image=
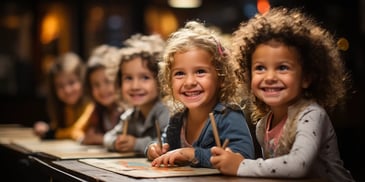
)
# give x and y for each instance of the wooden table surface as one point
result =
(59, 169)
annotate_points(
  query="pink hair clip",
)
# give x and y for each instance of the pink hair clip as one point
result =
(219, 47)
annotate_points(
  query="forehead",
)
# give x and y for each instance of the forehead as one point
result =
(134, 66)
(195, 56)
(65, 76)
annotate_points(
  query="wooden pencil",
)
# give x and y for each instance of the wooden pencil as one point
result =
(215, 130)
(225, 143)
(158, 132)
(125, 127)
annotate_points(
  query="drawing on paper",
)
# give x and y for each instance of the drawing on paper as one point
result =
(141, 168)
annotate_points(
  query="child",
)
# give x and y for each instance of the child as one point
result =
(293, 70)
(100, 86)
(199, 79)
(68, 108)
(140, 90)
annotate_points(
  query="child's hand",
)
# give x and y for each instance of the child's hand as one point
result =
(154, 150)
(125, 143)
(40, 128)
(225, 160)
(182, 155)
(92, 137)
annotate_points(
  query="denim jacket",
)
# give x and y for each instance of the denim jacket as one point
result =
(142, 128)
(231, 124)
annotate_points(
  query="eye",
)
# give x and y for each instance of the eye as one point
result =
(127, 78)
(72, 82)
(145, 77)
(283, 67)
(258, 68)
(108, 81)
(178, 74)
(200, 72)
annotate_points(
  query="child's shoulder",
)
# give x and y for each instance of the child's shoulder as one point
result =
(224, 108)
(229, 111)
(307, 108)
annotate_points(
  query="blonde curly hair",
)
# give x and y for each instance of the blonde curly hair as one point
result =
(196, 35)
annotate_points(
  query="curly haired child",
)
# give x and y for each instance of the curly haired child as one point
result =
(198, 78)
(294, 74)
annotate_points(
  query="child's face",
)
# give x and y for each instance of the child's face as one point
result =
(68, 87)
(277, 76)
(194, 79)
(102, 88)
(139, 86)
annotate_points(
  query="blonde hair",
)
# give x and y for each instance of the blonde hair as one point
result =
(196, 35)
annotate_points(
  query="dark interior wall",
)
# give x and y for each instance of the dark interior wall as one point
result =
(24, 103)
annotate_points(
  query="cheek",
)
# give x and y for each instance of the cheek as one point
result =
(95, 92)
(254, 81)
(60, 94)
(123, 90)
(175, 87)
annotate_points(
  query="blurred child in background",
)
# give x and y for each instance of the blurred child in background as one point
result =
(68, 107)
(100, 85)
(139, 86)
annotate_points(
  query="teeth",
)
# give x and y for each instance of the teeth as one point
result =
(192, 93)
(271, 89)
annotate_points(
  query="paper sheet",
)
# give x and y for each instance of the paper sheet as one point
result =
(141, 168)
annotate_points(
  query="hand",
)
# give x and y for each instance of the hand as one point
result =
(154, 150)
(92, 137)
(225, 160)
(181, 155)
(40, 128)
(125, 143)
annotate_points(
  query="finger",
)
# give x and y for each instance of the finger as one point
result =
(228, 149)
(213, 151)
(156, 162)
(165, 148)
(165, 160)
(172, 160)
(157, 149)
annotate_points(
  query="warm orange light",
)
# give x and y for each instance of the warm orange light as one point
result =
(12, 21)
(161, 21)
(263, 6)
(50, 28)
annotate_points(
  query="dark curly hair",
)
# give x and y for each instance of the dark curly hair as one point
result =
(319, 55)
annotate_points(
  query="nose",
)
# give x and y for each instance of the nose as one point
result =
(190, 80)
(67, 89)
(270, 75)
(135, 84)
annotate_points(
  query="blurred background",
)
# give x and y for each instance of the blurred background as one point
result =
(34, 32)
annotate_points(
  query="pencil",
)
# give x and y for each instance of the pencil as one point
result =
(225, 143)
(158, 132)
(125, 127)
(215, 131)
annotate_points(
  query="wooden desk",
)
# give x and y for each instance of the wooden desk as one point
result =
(73, 170)
(22, 162)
